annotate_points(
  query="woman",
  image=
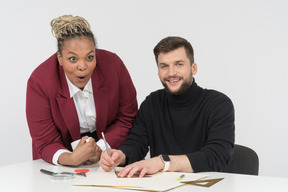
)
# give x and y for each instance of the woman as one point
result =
(79, 91)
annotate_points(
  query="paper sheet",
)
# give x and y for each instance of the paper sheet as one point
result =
(161, 181)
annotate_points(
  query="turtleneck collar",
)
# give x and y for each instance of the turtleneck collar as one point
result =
(185, 99)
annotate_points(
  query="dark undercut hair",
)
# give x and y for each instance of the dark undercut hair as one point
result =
(171, 43)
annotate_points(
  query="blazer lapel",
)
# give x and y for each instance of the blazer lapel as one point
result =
(100, 93)
(67, 107)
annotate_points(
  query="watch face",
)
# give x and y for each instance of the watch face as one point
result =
(165, 157)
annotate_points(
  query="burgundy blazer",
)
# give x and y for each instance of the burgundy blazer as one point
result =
(51, 113)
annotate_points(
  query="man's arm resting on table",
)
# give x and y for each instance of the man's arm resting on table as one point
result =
(179, 163)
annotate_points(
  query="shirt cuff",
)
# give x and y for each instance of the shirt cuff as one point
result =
(101, 144)
(57, 155)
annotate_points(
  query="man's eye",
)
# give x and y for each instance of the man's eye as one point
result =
(73, 59)
(163, 66)
(179, 64)
(90, 58)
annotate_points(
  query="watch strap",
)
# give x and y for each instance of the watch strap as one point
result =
(166, 161)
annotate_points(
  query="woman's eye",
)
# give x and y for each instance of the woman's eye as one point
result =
(73, 59)
(90, 58)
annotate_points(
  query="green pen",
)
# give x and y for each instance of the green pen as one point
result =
(180, 177)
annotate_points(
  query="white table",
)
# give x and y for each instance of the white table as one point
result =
(27, 177)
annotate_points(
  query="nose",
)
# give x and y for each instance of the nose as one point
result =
(82, 65)
(172, 71)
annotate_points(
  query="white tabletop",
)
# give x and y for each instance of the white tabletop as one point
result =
(27, 177)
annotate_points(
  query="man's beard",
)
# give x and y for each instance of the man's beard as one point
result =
(183, 88)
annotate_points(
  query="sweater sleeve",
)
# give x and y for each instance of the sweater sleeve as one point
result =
(217, 151)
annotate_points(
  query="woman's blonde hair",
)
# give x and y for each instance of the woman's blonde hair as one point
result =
(68, 27)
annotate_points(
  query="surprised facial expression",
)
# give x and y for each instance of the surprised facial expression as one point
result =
(78, 59)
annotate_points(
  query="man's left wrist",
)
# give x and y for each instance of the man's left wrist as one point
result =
(166, 161)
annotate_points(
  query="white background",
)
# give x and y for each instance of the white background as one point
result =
(240, 47)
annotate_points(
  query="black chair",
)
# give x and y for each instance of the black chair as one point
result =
(244, 161)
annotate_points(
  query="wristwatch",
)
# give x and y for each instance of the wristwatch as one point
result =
(166, 161)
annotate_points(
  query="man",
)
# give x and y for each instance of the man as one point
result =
(188, 128)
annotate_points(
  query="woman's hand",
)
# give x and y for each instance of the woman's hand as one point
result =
(94, 159)
(82, 153)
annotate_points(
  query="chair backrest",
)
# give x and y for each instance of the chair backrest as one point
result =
(244, 161)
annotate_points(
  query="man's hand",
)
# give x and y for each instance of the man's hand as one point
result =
(148, 166)
(151, 166)
(117, 158)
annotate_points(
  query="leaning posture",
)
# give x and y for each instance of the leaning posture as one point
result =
(78, 92)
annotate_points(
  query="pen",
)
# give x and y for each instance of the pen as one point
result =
(108, 152)
(180, 177)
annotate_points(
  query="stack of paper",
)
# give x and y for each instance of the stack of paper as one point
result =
(161, 181)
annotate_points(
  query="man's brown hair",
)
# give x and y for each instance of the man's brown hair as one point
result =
(171, 43)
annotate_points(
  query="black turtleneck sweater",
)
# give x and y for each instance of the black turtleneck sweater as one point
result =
(198, 123)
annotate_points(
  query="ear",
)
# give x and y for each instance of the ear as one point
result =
(60, 59)
(194, 69)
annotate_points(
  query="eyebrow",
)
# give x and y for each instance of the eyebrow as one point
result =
(177, 61)
(76, 54)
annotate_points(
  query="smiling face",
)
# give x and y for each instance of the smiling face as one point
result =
(175, 71)
(78, 59)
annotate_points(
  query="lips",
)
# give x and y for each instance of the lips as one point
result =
(81, 78)
(173, 80)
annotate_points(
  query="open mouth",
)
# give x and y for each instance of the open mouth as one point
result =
(173, 80)
(81, 78)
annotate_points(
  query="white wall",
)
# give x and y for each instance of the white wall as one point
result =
(240, 47)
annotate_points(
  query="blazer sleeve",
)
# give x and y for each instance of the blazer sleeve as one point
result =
(46, 138)
(117, 132)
